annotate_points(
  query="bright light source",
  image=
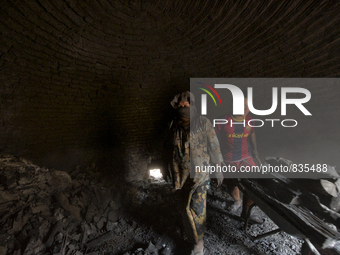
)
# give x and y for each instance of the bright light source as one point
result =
(156, 173)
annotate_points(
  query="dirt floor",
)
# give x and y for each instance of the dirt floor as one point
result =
(154, 227)
(48, 212)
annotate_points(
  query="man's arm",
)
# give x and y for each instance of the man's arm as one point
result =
(253, 145)
(219, 177)
(214, 151)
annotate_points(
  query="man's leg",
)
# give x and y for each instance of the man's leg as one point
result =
(195, 220)
(235, 193)
(247, 202)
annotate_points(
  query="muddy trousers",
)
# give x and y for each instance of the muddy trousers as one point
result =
(194, 212)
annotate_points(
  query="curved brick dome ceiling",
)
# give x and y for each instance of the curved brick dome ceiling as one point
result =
(92, 80)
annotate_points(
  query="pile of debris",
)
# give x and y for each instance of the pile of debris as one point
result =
(47, 212)
(152, 249)
(308, 208)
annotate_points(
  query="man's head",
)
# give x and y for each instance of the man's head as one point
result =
(184, 104)
(184, 99)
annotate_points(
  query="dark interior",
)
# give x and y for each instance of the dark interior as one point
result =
(89, 83)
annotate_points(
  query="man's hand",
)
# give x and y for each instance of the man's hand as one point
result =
(255, 154)
(219, 177)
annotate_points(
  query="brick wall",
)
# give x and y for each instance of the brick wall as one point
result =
(90, 81)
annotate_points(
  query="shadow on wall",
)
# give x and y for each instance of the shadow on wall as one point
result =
(121, 148)
(102, 146)
(167, 114)
(106, 139)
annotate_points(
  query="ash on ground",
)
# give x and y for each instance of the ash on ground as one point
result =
(45, 211)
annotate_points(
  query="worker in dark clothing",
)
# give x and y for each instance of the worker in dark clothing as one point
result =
(192, 142)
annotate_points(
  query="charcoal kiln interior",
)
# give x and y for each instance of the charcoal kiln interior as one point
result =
(85, 105)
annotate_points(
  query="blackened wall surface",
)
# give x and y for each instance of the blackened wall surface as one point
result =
(91, 81)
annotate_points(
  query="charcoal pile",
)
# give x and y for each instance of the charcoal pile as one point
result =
(46, 211)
